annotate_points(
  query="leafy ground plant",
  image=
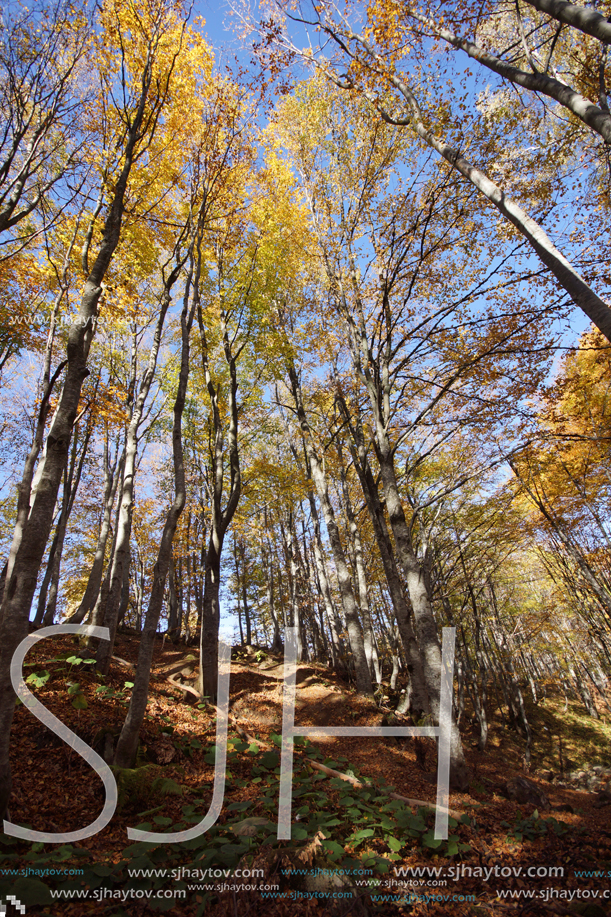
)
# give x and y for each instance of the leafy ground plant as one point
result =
(355, 829)
(533, 826)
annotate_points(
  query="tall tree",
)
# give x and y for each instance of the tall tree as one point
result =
(372, 63)
(144, 82)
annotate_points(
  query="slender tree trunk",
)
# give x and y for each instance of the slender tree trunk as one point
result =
(71, 485)
(300, 579)
(185, 587)
(418, 695)
(371, 650)
(211, 616)
(245, 596)
(269, 586)
(513, 691)
(334, 623)
(353, 624)
(221, 517)
(113, 474)
(173, 616)
(115, 602)
(292, 575)
(426, 627)
(128, 740)
(46, 582)
(584, 693)
(24, 489)
(139, 584)
(478, 706)
(238, 590)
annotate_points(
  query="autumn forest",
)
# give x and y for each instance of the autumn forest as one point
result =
(312, 336)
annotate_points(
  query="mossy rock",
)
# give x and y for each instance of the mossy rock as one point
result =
(145, 785)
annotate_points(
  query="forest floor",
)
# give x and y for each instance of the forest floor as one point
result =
(502, 857)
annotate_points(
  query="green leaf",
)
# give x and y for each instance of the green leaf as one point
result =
(430, 841)
(38, 680)
(233, 849)
(333, 849)
(128, 684)
(63, 853)
(394, 843)
(139, 848)
(79, 702)
(363, 833)
(452, 849)
(415, 823)
(31, 891)
(210, 757)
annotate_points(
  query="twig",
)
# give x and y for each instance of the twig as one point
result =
(184, 687)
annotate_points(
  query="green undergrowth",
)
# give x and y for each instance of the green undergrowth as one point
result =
(532, 827)
(353, 828)
(564, 739)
